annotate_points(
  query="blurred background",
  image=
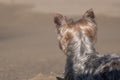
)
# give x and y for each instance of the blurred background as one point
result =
(28, 41)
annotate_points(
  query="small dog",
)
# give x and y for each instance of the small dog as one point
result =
(83, 62)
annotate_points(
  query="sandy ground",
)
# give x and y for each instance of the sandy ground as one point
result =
(28, 44)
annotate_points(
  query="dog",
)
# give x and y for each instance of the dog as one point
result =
(77, 39)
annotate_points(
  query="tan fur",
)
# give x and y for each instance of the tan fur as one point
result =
(88, 30)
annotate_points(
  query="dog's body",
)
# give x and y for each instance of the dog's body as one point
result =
(76, 40)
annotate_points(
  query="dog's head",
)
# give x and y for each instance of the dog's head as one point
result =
(67, 29)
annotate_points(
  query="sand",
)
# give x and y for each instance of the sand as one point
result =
(28, 43)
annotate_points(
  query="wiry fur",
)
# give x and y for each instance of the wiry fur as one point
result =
(83, 62)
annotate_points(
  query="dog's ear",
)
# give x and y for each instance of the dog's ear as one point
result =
(89, 27)
(60, 20)
(89, 14)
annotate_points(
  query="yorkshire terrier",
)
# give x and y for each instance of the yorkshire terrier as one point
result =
(83, 62)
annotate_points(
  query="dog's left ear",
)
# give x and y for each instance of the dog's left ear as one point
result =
(89, 14)
(60, 20)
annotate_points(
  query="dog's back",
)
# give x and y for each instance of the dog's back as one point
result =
(101, 67)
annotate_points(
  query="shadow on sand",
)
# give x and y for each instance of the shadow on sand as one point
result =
(59, 78)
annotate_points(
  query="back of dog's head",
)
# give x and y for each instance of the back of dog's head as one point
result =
(67, 29)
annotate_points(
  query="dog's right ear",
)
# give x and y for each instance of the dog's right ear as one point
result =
(89, 14)
(60, 20)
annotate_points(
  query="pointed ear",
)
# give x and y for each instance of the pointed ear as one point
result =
(59, 20)
(89, 14)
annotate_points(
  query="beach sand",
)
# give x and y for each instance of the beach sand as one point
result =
(28, 41)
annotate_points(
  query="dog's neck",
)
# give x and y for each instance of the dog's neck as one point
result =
(78, 52)
(82, 46)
